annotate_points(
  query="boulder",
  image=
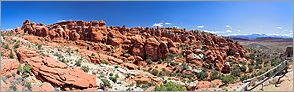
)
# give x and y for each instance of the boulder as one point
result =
(151, 49)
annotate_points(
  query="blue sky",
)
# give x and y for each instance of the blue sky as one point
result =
(223, 18)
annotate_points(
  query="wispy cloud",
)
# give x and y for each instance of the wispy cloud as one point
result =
(9, 29)
(279, 27)
(176, 26)
(160, 24)
(229, 31)
(210, 31)
(228, 26)
(63, 20)
(157, 25)
(200, 26)
(167, 23)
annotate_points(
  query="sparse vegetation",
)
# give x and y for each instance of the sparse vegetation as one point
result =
(228, 79)
(170, 86)
(11, 55)
(154, 72)
(106, 82)
(149, 61)
(85, 68)
(5, 46)
(39, 46)
(78, 62)
(27, 69)
(202, 75)
(19, 69)
(214, 75)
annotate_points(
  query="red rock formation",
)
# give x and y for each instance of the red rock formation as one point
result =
(148, 43)
(53, 71)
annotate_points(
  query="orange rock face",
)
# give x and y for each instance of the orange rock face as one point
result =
(8, 66)
(53, 71)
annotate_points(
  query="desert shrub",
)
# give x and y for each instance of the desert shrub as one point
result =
(104, 62)
(5, 46)
(170, 86)
(251, 67)
(214, 75)
(236, 72)
(78, 62)
(185, 66)
(149, 61)
(63, 60)
(228, 79)
(243, 68)
(106, 82)
(242, 78)
(154, 72)
(19, 69)
(85, 68)
(159, 61)
(39, 46)
(275, 62)
(13, 87)
(202, 75)
(93, 55)
(170, 56)
(16, 46)
(27, 69)
(113, 79)
(28, 85)
(11, 55)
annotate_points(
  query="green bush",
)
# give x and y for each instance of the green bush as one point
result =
(39, 46)
(228, 79)
(78, 62)
(27, 69)
(15, 46)
(149, 61)
(202, 75)
(93, 55)
(155, 72)
(85, 68)
(28, 85)
(106, 82)
(185, 66)
(214, 75)
(5, 46)
(11, 55)
(170, 86)
(113, 79)
(236, 73)
(19, 69)
(242, 78)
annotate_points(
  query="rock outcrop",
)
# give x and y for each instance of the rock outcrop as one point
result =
(58, 73)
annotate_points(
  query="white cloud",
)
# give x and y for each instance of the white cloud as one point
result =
(157, 25)
(63, 20)
(200, 26)
(239, 30)
(9, 29)
(228, 31)
(279, 27)
(176, 26)
(210, 31)
(160, 24)
(167, 23)
(228, 26)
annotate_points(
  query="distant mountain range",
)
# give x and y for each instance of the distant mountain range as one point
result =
(254, 36)
(261, 37)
